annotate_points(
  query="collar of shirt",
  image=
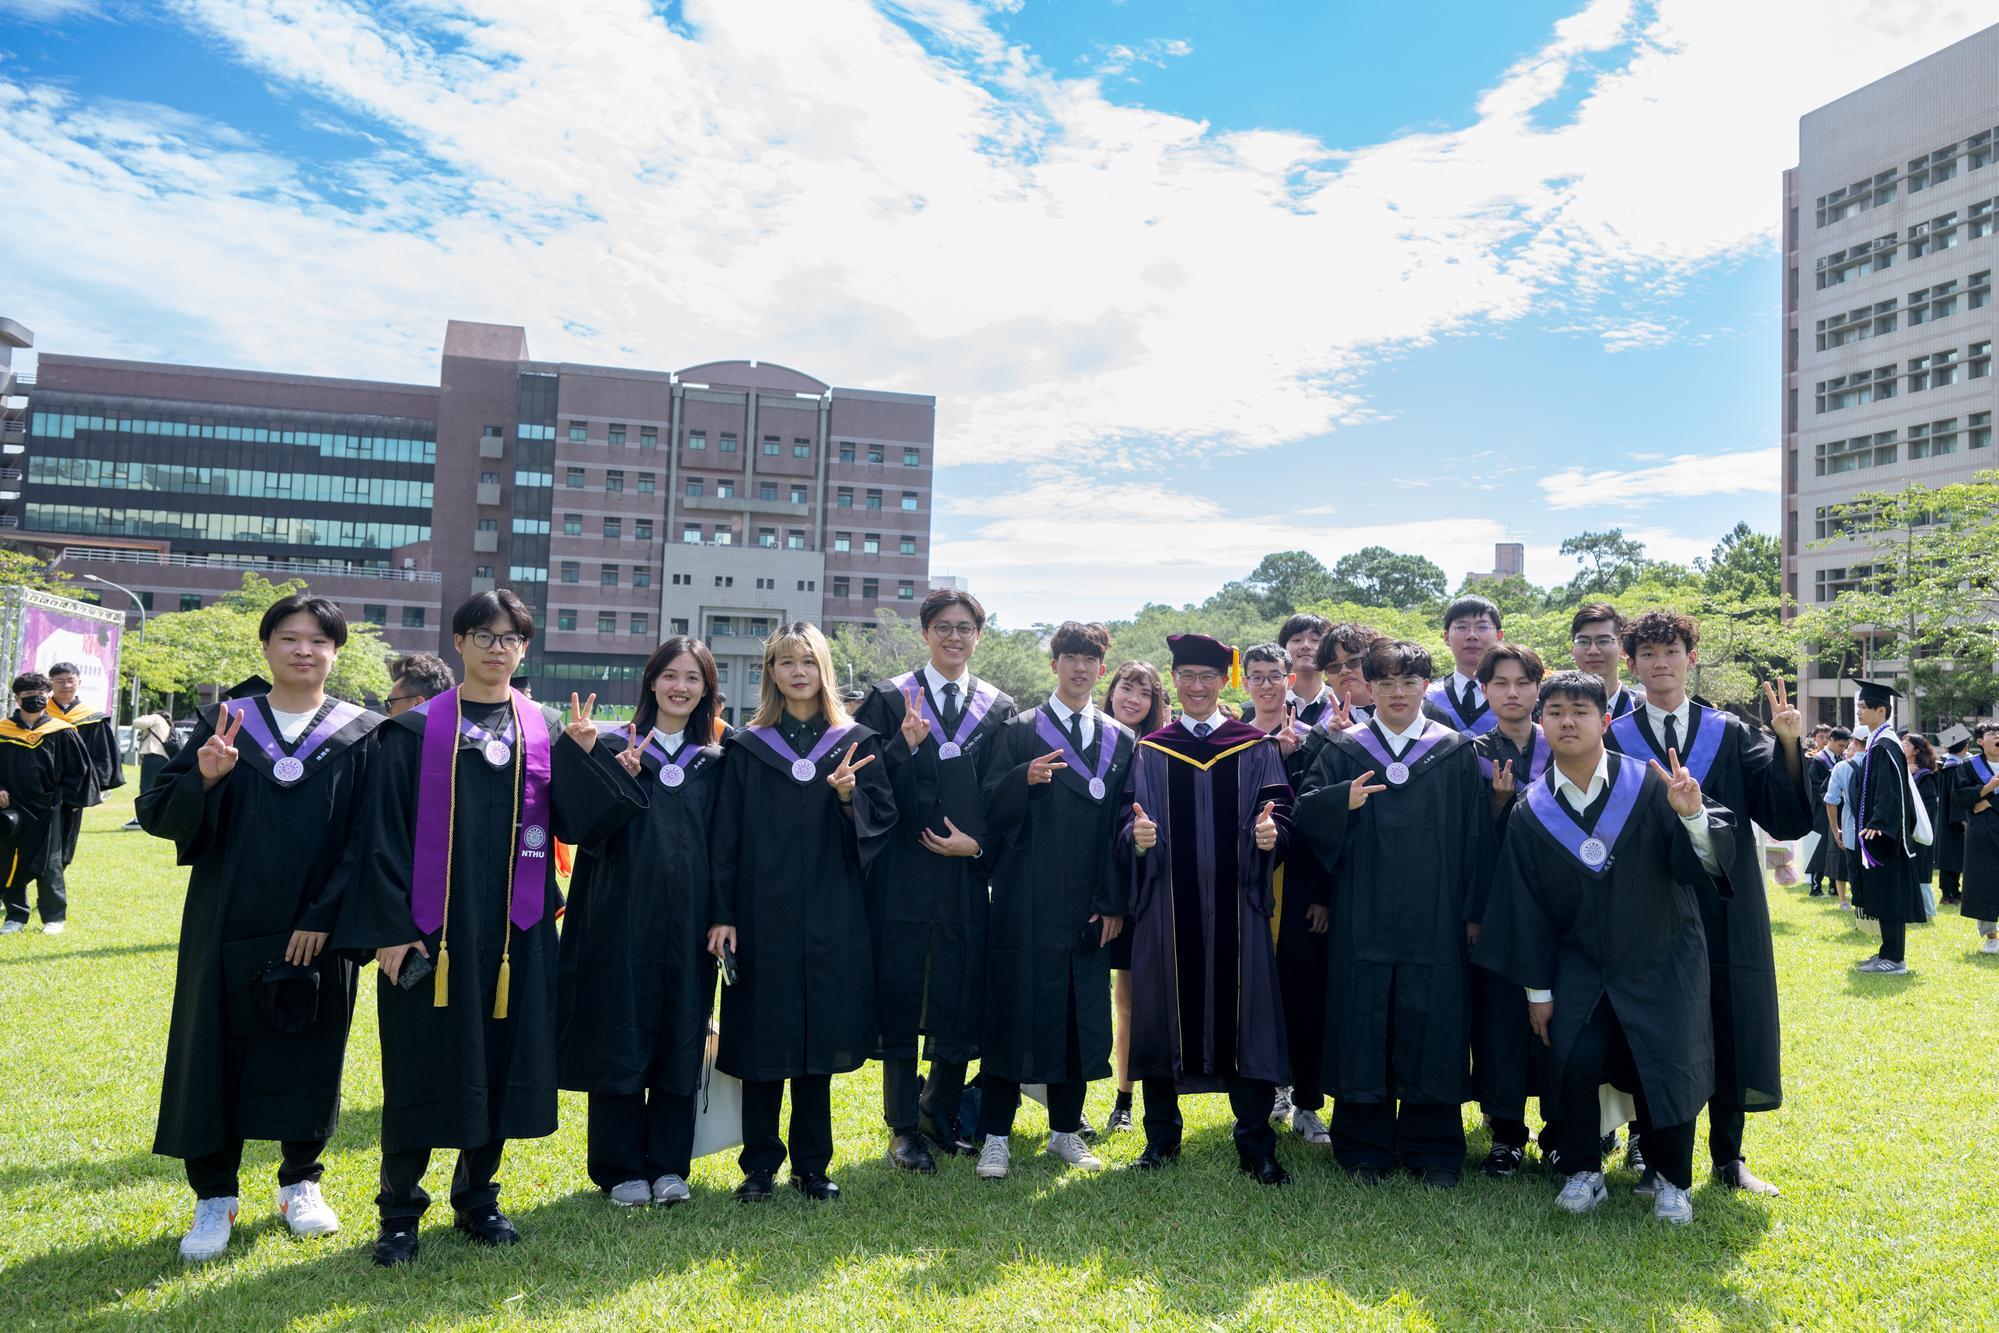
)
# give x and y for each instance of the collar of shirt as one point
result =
(1578, 798)
(1658, 715)
(669, 742)
(1212, 720)
(1398, 741)
(938, 680)
(292, 725)
(1460, 684)
(1324, 695)
(1061, 713)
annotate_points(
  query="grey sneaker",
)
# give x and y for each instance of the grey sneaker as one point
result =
(995, 1158)
(1071, 1149)
(1672, 1204)
(1280, 1109)
(1307, 1126)
(1884, 967)
(209, 1236)
(1582, 1192)
(669, 1190)
(631, 1193)
(12, 927)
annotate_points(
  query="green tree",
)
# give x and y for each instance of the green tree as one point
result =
(1287, 580)
(1377, 576)
(862, 656)
(18, 568)
(1016, 662)
(1744, 563)
(1611, 562)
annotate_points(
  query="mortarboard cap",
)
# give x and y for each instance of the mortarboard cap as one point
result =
(1953, 736)
(1201, 650)
(1875, 694)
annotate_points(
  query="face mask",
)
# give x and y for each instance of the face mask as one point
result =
(33, 703)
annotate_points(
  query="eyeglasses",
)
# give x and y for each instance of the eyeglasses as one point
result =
(962, 629)
(1198, 677)
(485, 638)
(1596, 641)
(404, 699)
(1263, 680)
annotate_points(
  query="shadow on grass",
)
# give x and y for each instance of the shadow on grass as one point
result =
(1196, 1242)
(60, 955)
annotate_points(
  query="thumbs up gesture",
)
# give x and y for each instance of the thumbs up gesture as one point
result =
(1144, 833)
(1266, 828)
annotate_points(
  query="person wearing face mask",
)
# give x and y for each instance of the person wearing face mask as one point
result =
(42, 765)
(635, 977)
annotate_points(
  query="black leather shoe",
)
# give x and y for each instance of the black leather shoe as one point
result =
(395, 1244)
(1365, 1176)
(756, 1188)
(1439, 1177)
(1154, 1158)
(817, 1186)
(945, 1138)
(910, 1152)
(1119, 1122)
(1267, 1169)
(488, 1227)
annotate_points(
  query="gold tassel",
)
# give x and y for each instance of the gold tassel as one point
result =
(1235, 668)
(441, 982)
(500, 996)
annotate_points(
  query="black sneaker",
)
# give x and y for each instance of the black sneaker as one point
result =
(1502, 1161)
(1634, 1156)
(1119, 1122)
(395, 1244)
(1609, 1143)
(487, 1227)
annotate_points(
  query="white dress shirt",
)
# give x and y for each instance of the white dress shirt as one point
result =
(1657, 717)
(937, 680)
(1060, 713)
(1578, 800)
(1325, 695)
(1398, 741)
(669, 742)
(1211, 721)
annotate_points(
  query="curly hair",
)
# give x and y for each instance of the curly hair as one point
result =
(1663, 627)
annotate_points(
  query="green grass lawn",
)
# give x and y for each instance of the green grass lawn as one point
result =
(1884, 1152)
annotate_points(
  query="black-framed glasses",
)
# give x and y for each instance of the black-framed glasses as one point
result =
(485, 638)
(404, 699)
(963, 629)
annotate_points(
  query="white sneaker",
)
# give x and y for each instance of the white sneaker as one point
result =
(306, 1211)
(995, 1158)
(1071, 1149)
(669, 1190)
(52, 928)
(1672, 1204)
(631, 1193)
(12, 927)
(1280, 1109)
(1991, 944)
(209, 1236)
(1307, 1126)
(1582, 1192)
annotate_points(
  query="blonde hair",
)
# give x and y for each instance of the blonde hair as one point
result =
(799, 638)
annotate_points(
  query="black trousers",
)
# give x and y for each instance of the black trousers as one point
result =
(1419, 1135)
(1894, 940)
(1948, 882)
(639, 1136)
(999, 1099)
(473, 1185)
(811, 1147)
(901, 1107)
(1603, 1055)
(215, 1175)
(72, 828)
(43, 865)
(1250, 1099)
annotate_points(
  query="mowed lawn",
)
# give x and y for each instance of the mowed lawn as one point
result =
(1884, 1151)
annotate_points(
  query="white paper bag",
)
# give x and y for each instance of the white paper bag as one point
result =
(718, 1107)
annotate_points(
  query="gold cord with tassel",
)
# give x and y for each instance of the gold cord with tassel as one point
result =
(440, 985)
(513, 856)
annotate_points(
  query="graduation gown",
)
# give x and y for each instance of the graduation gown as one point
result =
(1818, 773)
(100, 742)
(41, 771)
(1052, 869)
(1300, 883)
(1440, 705)
(928, 912)
(1205, 1001)
(1885, 885)
(264, 858)
(1509, 1063)
(634, 978)
(1981, 838)
(1950, 833)
(1630, 933)
(1741, 771)
(786, 864)
(454, 1076)
(1408, 873)
(1929, 787)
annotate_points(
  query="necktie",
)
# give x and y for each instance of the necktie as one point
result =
(1201, 729)
(950, 708)
(1076, 733)
(1672, 731)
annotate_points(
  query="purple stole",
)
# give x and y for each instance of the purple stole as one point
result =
(436, 799)
(288, 769)
(1704, 727)
(1107, 743)
(802, 768)
(1589, 848)
(1981, 768)
(976, 703)
(1537, 761)
(1395, 772)
(1439, 694)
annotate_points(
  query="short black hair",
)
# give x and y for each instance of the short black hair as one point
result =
(331, 619)
(1084, 639)
(1471, 604)
(938, 600)
(1591, 612)
(1572, 684)
(1396, 657)
(1982, 730)
(427, 673)
(1266, 652)
(1823, 726)
(1303, 622)
(1529, 660)
(483, 608)
(1841, 734)
(65, 669)
(1662, 627)
(30, 681)
(1346, 637)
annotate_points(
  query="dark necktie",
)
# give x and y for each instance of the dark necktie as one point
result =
(1201, 729)
(1076, 733)
(950, 709)
(1672, 731)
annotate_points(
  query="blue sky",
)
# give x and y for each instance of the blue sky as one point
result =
(1191, 281)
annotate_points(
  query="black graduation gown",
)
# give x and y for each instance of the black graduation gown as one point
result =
(1633, 937)
(634, 979)
(41, 771)
(1509, 1063)
(1205, 1001)
(264, 860)
(1818, 775)
(1748, 778)
(928, 912)
(1981, 843)
(1300, 883)
(1929, 786)
(100, 741)
(1951, 832)
(455, 1076)
(786, 864)
(1888, 889)
(1408, 871)
(1052, 869)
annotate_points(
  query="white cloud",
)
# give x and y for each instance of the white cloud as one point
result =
(1115, 60)
(1743, 472)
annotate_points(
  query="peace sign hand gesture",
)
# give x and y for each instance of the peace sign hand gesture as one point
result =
(1287, 736)
(579, 727)
(914, 725)
(1504, 785)
(841, 779)
(1683, 789)
(1043, 769)
(1785, 719)
(1266, 828)
(217, 757)
(1359, 790)
(631, 756)
(1339, 717)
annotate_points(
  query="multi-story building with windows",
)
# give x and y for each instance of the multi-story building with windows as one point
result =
(1889, 221)
(624, 505)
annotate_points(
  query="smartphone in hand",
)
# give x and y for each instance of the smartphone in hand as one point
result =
(415, 968)
(728, 962)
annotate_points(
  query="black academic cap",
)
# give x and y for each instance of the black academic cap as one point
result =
(247, 688)
(1200, 650)
(1875, 694)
